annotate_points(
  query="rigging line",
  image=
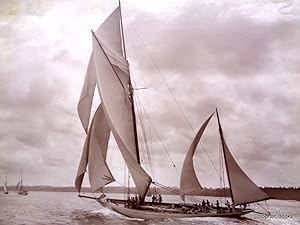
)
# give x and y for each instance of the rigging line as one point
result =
(164, 147)
(152, 122)
(267, 206)
(168, 87)
(172, 94)
(263, 208)
(108, 60)
(129, 189)
(148, 157)
(210, 159)
(90, 204)
(176, 191)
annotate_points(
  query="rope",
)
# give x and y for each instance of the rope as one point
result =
(164, 147)
(177, 104)
(89, 203)
(175, 191)
(263, 208)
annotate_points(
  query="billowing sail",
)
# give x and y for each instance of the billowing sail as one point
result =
(94, 154)
(188, 178)
(18, 186)
(243, 189)
(87, 94)
(113, 84)
(110, 34)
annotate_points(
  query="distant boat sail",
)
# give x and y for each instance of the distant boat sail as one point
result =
(108, 69)
(5, 186)
(19, 186)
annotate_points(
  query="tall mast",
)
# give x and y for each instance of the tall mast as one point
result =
(223, 148)
(130, 92)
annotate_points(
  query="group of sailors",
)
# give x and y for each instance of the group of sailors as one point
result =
(133, 202)
(156, 199)
(206, 207)
(203, 207)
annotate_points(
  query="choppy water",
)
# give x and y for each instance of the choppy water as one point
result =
(66, 208)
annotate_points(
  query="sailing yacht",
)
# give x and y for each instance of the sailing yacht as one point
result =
(19, 186)
(108, 70)
(5, 186)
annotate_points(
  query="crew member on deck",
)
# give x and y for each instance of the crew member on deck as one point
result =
(153, 198)
(218, 206)
(159, 199)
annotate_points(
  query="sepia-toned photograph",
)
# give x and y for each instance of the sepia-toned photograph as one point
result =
(140, 112)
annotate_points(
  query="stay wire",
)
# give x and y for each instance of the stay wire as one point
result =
(172, 94)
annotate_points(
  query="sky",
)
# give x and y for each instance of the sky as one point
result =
(191, 56)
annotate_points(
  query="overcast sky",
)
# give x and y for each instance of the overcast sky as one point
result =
(242, 58)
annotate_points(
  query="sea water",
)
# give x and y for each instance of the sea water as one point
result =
(66, 208)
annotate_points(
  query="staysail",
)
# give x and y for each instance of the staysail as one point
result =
(188, 179)
(94, 154)
(113, 82)
(109, 32)
(243, 189)
(87, 94)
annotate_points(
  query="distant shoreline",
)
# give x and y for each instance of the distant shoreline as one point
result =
(280, 193)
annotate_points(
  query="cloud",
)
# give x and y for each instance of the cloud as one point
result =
(242, 59)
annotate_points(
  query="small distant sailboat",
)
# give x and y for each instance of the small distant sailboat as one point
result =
(5, 186)
(20, 188)
(108, 69)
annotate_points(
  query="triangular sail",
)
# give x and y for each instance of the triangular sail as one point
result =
(5, 184)
(188, 179)
(109, 32)
(113, 86)
(87, 94)
(94, 154)
(243, 189)
(18, 186)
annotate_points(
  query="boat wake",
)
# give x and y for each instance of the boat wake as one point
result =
(111, 213)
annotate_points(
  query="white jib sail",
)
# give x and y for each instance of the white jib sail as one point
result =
(188, 179)
(94, 154)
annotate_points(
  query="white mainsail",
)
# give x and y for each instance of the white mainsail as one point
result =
(188, 179)
(94, 154)
(243, 189)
